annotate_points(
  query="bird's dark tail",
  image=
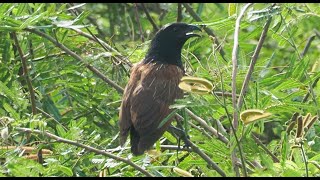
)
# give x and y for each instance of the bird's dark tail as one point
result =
(134, 140)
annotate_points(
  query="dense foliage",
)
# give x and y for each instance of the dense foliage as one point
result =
(56, 77)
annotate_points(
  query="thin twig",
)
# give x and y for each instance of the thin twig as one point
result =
(47, 56)
(304, 159)
(205, 157)
(105, 45)
(227, 94)
(207, 127)
(208, 30)
(306, 48)
(171, 147)
(180, 119)
(234, 159)
(94, 22)
(235, 65)
(154, 25)
(200, 129)
(220, 126)
(74, 55)
(305, 98)
(257, 140)
(197, 150)
(51, 117)
(96, 39)
(253, 63)
(26, 74)
(138, 21)
(315, 163)
(88, 148)
(310, 88)
(234, 125)
(179, 16)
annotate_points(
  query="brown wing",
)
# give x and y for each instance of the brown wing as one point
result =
(149, 100)
(125, 122)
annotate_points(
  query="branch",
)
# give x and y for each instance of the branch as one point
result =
(234, 125)
(200, 129)
(227, 94)
(171, 147)
(253, 63)
(47, 56)
(105, 45)
(257, 140)
(77, 57)
(208, 30)
(92, 20)
(26, 74)
(197, 150)
(305, 98)
(179, 16)
(51, 117)
(154, 25)
(205, 157)
(235, 65)
(88, 148)
(306, 48)
(203, 123)
(138, 21)
(75, 11)
(180, 119)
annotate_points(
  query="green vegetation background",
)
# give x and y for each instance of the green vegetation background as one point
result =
(64, 94)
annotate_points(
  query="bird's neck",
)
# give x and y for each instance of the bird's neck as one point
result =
(164, 55)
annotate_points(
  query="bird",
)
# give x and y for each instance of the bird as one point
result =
(153, 87)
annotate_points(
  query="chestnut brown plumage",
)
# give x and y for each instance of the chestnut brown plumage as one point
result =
(153, 87)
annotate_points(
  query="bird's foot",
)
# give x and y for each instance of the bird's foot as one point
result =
(180, 135)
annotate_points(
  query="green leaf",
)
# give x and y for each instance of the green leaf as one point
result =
(12, 111)
(166, 119)
(65, 170)
(60, 130)
(232, 9)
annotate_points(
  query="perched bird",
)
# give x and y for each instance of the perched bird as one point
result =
(153, 87)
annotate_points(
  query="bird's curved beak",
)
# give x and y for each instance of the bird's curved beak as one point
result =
(190, 32)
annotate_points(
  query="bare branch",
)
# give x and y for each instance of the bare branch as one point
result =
(179, 16)
(253, 63)
(26, 74)
(235, 65)
(207, 127)
(257, 140)
(206, 158)
(234, 125)
(200, 129)
(171, 147)
(154, 25)
(138, 21)
(306, 48)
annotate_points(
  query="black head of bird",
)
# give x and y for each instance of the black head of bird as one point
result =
(153, 87)
(167, 44)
